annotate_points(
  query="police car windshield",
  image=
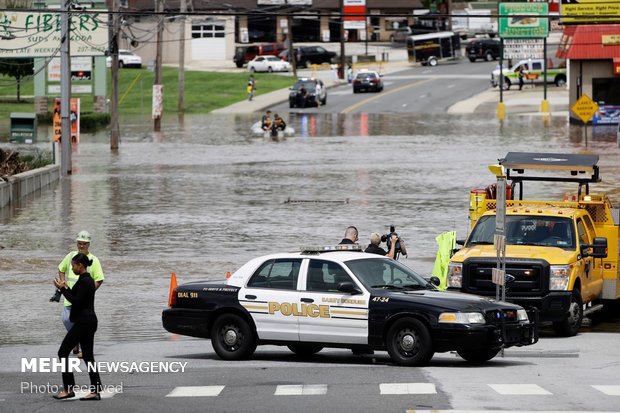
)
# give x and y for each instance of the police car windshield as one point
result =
(386, 274)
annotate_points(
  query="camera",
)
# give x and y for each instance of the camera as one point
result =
(56, 296)
(399, 248)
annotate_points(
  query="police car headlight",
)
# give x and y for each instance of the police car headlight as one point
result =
(461, 318)
(559, 276)
(455, 275)
(522, 315)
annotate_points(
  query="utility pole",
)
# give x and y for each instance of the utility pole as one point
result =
(343, 58)
(65, 89)
(289, 44)
(114, 132)
(182, 59)
(157, 81)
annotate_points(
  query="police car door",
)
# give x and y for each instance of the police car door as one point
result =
(332, 316)
(269, 296)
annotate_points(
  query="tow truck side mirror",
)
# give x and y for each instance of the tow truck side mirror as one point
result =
(599, 248)
(348, 287)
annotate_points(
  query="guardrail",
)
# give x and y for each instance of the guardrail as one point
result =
(20, 185)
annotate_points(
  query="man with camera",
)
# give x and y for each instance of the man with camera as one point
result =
(375, 240)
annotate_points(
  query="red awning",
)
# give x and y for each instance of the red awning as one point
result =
(585, 42)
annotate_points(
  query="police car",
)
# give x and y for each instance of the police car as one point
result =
(335, 297)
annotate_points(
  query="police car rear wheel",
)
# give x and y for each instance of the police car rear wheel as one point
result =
(305, 350)
(232, 338)
(409, 342)
(478, 355)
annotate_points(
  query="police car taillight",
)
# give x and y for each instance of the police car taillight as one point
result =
(172, 296)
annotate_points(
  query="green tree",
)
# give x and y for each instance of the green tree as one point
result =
(18, 69)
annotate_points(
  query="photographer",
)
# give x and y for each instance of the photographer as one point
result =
(374, 248)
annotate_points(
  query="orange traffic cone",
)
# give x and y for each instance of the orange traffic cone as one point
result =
(172, 299)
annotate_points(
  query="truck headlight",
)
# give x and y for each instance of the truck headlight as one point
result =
(461, 318)
(522, 315)
(455, 275)
(559, 276)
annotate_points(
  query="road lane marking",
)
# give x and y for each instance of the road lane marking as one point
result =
(301, 390)
(608, 390)
(196, 391)
(407, 388)
(384, 94)
(518, 389)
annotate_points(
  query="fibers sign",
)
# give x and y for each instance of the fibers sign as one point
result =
(37, 34)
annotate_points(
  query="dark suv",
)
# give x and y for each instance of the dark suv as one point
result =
(310, 55)
(487, 49)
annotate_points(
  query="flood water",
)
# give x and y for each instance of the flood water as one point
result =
(203, 197)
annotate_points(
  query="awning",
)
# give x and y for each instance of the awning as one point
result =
(590, 42)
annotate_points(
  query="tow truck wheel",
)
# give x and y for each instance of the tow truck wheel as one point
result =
(232, 338)
(409, 342)
(304, 350)
(478, 355)
(572, 322)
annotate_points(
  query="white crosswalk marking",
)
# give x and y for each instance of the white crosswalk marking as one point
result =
(518, 389)
(301, 389)
(196, 391)
(608, 390)
(407, 388)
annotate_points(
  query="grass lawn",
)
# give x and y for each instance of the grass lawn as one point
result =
(204, 91)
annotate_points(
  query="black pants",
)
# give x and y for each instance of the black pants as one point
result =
(84, 334)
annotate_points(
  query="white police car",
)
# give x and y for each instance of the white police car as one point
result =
(335, 297)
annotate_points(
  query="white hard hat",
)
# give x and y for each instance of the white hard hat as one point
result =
(83, 236)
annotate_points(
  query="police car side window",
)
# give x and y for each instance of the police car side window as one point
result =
(278, 274)
(325, 276)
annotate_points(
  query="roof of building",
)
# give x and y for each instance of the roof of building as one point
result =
(585, 42)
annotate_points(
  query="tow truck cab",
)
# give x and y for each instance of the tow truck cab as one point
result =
(562, 253)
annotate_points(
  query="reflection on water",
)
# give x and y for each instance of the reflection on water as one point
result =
(204, 196)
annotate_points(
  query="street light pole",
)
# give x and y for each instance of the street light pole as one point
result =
(65, 90)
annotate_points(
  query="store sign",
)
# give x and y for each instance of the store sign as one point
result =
(524, 49)
(610, 39)
(590, 11)
(37, 34)
(523, 20)
(354, 7)
(78, 64)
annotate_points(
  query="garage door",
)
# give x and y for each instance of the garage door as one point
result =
(209, 40)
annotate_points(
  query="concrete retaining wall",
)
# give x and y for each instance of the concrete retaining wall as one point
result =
(20, 185)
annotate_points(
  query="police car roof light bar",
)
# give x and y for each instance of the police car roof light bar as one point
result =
(317, 249)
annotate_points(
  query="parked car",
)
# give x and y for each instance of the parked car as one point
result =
(243, 54)
(126, 58)
(268, 64)
(534, 73)
(296, 99)
(309, 55)
(367, 80)
(487, 49)
(400, 35)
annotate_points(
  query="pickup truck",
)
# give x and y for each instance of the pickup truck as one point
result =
(563, 254)
(534, 73)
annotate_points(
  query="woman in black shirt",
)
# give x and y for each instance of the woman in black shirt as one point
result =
(82, 298)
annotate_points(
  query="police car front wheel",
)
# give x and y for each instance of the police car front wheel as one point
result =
(409, 342)
(232, 338)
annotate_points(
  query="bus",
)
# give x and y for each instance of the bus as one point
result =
(431, 48)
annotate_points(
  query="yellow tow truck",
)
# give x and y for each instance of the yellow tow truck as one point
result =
(563, 254)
